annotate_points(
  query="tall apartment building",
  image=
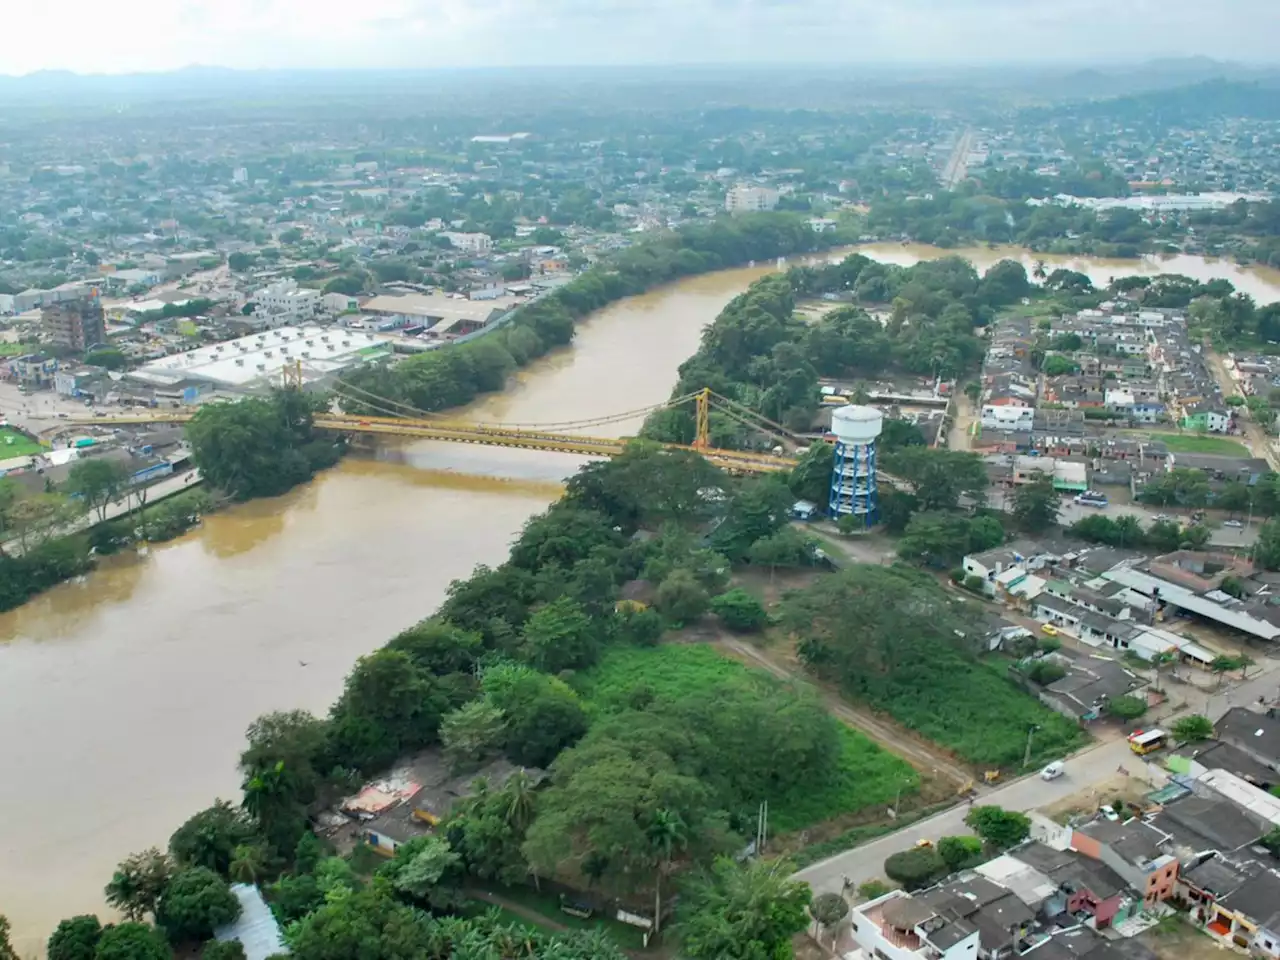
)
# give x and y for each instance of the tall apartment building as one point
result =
(78, 324)
(284, 303)
(745, 199)
(480, 244)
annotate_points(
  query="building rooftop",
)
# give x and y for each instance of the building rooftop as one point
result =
(1259, 899)
(256, 927)
(439, 307)
(1256, 733)
(262, 356)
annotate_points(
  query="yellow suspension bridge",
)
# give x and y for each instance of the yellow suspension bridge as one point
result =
(406, 421)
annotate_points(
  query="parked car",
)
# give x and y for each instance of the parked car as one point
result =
(1053, 771)
(1049, 629)
(1234, 524)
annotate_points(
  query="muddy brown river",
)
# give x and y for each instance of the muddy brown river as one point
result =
(124, 698)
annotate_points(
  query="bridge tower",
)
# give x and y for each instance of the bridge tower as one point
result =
(292, 375)
(853, 475)
(702, 407)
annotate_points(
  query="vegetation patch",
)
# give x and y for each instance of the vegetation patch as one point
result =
(15, 444)
(1194, 443)
(891, 637)
(863, 775)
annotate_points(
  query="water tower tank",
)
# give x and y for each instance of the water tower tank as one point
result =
(854, 423)
(854, 491)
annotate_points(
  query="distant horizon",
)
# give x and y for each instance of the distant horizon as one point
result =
(1032, 65)
(167, 35)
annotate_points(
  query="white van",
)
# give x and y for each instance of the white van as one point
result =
(1053, 771)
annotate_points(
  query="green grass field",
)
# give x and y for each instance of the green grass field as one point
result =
(14, 444)
(971, 708)
(548, 905)
(867, 776)
(8, 349)
(1194, 443)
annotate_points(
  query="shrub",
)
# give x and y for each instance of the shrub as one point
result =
(681, 598)
(1126, 707)
(1045, 672)
(873, 889)
(1193, 728)
(915, 868)
(960, 852)
(740, 611)
(999, 827)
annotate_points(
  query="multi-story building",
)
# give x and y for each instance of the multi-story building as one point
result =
(78, 324)
(477, 243)
(748, 199)
(284, 303)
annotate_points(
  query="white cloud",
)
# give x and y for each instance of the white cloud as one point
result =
(134, 35)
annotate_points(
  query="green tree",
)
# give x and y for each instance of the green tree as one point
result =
(741, 911)
(489, 827)
(195, 902)
(1193, 728)
(667, 835)
(420, 871)
(1035, 505)
(939, 477)
(828, 910)
(681, 599)
(960, 852)
(915, 868)
(985, 533)
(210, 837)
(1126, 707)
(811, 478)
(132, 941)
(97, 483)
(74, 939)
(560, 636)
(933, 538)
(138, 883)
(6, 947)
(999, 827)
(223, 950)
(472, 733)
(1266, 550)
(543, 714)
(249, 863)
(740, 611)
(873, 889)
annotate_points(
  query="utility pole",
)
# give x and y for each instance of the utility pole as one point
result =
(1031, 731)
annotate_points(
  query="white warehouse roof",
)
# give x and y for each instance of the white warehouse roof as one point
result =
(259, 356)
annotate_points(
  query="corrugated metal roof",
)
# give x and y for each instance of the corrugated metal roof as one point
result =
(256, 927)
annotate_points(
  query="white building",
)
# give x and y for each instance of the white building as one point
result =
(336, 303)
(1011, 416)
(898, 926)
(259, 359)
(747, 199)
(284, 303)
(478, 243)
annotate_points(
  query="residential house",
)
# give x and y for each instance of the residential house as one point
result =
(1134, 851)
(1257, 735)
(34, 371)
(1206, 415)
(1081, 886)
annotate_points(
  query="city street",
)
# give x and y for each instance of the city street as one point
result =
(1092, 766)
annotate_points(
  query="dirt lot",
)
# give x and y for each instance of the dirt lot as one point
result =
(1129, 789)
(1182, 941)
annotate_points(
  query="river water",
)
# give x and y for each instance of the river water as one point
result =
(124, 698)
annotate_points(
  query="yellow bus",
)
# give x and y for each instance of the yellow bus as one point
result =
(1147, 741)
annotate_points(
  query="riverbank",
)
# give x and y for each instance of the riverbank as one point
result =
(30, 566)
(141, 679)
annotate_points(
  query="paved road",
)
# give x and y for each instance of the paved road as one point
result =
(1255, 436)
(957, 166)
(155, 492)
(1086, 769)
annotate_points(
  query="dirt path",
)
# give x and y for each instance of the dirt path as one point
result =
(922, 755)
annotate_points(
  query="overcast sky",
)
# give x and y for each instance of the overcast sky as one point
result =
(124, 36)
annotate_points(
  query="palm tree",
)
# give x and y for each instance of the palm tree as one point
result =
(666, 834)
(1039, 271)
(138, 882)
(518, 794)
(1159, 660)
(248, 863)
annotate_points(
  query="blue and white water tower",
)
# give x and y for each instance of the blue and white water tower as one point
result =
(853, 476)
